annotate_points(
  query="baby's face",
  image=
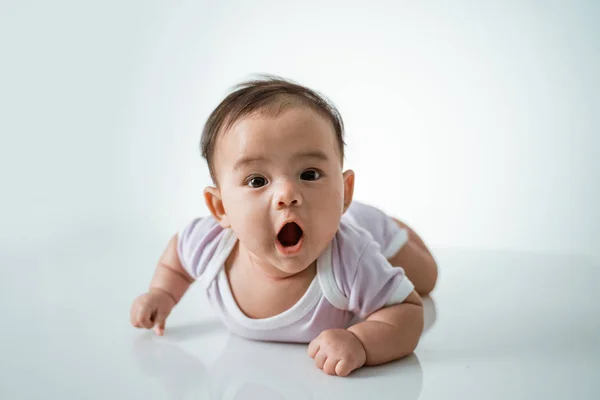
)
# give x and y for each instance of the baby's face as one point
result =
(275, 169)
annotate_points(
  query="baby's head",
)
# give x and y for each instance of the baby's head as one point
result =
(275, 152)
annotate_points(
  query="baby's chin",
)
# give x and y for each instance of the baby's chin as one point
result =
(280, 265)
(292, 267)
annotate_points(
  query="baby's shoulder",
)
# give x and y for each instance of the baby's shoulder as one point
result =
(351, 237)
(200, 231)
(351, 247)
(197, 243)
(352, 240)
(364, 279)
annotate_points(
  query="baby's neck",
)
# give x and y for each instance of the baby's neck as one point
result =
(261, 295)
(248, 261)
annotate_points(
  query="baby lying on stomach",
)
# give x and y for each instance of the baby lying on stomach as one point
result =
(286, 255)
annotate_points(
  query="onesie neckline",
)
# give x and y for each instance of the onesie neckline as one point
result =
(300, 309)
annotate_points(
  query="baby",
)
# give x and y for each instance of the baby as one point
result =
(286, 255)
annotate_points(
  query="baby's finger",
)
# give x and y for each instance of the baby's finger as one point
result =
(145, 317)
(329, 366)
(159, 322)
(320, 359)
(343, 368)
(133, 317)
(313, 348)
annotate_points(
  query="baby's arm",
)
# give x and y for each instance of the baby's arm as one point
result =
(169, 284)
(387, 334)
(391, 332)
(169, 276)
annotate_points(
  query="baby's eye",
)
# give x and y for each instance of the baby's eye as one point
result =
(310, 175)
(256, 181)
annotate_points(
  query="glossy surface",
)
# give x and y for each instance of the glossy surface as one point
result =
(499, 325)
(485, 112)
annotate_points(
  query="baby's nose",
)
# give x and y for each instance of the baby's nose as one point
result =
(288, 195)
(288, 203)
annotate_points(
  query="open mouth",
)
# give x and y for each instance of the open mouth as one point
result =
(290, 235)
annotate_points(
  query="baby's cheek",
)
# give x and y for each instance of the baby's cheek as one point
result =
(328, 223)
(253, 229)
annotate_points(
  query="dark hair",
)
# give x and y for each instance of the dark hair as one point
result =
(268, 95)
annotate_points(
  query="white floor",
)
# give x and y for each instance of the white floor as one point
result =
(500, 325)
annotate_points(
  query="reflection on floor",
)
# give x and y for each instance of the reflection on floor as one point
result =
(499, 325)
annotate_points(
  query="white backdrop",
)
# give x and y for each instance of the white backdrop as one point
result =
(478, 124)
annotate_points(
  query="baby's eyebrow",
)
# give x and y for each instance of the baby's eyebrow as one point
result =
(318, 154)
(243, 161)
(246, 160)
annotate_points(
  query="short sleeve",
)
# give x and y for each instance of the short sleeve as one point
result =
(381, 227)
(197, 242)
(376, 283)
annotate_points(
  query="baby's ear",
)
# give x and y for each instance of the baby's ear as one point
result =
(348, 188)
(214, 202)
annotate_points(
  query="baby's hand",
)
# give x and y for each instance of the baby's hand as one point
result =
(337, 352)
(151, 310)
